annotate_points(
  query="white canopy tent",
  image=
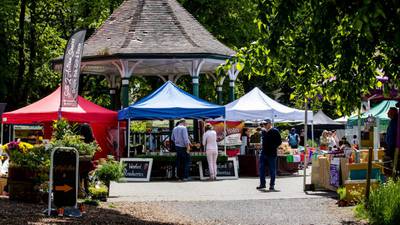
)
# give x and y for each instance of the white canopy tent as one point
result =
(256, 105)
(342, 120)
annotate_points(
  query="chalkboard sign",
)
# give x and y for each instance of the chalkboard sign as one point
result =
(64, 176)
(137, 169)
(225, 170)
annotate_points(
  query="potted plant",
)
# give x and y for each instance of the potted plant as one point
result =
(98, 192)
(28, 170)
(109, 170)
(65, 134)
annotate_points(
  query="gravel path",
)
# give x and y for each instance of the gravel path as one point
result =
(273, 211)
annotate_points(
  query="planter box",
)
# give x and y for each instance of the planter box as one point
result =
(3, 183)
(358, 186)
(23, 184)
(358, 171)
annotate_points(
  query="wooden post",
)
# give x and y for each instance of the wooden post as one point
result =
(367, 188)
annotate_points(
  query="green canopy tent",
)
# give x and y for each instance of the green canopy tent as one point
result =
(379, 112)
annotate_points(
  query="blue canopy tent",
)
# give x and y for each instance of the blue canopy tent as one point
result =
(170, 102)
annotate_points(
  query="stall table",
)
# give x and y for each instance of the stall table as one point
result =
(248, 166)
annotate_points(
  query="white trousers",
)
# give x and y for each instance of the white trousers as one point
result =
(212, 162)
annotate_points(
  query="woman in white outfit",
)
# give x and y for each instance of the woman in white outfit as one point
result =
(211, 147)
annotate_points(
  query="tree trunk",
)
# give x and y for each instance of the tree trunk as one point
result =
(21, 56)
(32, 50)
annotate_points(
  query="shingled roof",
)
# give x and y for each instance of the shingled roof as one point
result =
(153, 28)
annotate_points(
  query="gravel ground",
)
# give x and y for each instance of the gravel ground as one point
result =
(107, 213)
(284, 211)
(274, 211)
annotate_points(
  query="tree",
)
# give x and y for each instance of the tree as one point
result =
(327, 50)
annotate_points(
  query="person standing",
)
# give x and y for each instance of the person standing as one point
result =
(335, 138)
(301, 143)
(211, 147)
(271, 140)
(391, 133)
(180, 137)
(293, 138)
(244, 138)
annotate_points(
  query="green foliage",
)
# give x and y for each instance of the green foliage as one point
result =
(323, 49)
(34, 158)
(229, 21)
(92, 202)
(138, 126)
(311, 143)
(341, 192)
(383, 207)
(62, 127)
(76, 141)
(98, 192)
(49, 23)
(64, 135)
(111, 170)
(284, 134)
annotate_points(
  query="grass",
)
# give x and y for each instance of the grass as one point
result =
(383, 207)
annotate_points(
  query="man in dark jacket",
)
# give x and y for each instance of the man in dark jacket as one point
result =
(391, 132)
(271, 140)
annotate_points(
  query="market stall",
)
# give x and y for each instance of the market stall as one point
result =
(377, 130)
(256, 106)
(346, 165)
(168, 102)
(103, 122)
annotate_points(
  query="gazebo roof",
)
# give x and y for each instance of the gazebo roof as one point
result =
(157, 32)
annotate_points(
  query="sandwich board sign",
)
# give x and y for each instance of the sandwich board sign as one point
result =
(63, 183)
(136, 169)
(225, 170)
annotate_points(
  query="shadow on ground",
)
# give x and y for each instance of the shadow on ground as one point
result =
(326, 194)
(12, 212)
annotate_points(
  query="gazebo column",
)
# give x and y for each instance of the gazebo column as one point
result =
(220, 83)
(232, 73)
(125, 68)
(112, 80)
(125, 91)
(113, 100)
(194, 70)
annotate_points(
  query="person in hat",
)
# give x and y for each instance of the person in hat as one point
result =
(271, 140)
(211, 147)
(180, 137)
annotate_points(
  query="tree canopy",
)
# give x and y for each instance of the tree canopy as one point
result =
(326, 50)
(33, 32)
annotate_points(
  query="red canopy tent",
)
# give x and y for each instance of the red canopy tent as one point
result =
(102, 121)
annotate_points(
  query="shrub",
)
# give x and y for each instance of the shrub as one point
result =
(383, 207)
(98, 192)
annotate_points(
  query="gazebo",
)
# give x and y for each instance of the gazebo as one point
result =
(152, 38)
